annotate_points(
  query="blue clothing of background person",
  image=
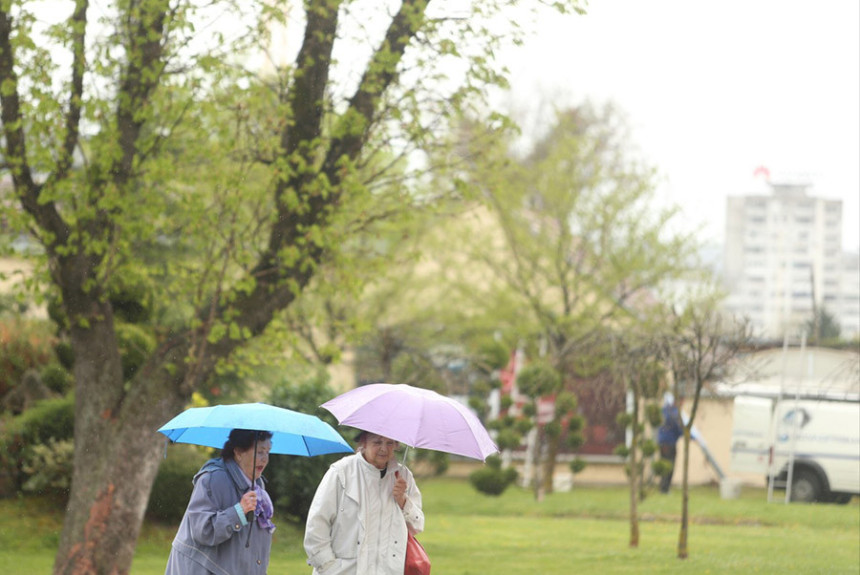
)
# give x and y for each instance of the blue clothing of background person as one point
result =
(667, 437)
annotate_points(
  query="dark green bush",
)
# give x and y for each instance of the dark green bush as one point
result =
(172, 487)
(492, 479)
(49, 469)
(23, 345)
(56, 378)
(577, 465)
(437, 460)
(65, 354)
(293, 480)
(661, 467)
(50, 419)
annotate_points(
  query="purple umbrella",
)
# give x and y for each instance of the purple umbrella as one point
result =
(414, 416)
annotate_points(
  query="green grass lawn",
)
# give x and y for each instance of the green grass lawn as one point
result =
(584, 531)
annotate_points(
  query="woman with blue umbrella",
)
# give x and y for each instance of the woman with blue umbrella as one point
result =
(224, 507)
(229, 497)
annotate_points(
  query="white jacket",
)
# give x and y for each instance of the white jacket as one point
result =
(355, 526)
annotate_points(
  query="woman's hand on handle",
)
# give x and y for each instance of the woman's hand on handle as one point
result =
(249, 501)
(399, 490)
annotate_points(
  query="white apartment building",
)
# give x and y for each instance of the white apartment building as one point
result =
(783, 259)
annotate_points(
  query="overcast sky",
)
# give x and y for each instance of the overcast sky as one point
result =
(714, 89)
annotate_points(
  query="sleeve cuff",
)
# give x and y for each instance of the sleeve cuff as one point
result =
(409, 512)
(323, 559)
(241, 514)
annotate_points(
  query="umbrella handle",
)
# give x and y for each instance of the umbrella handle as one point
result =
(250, 515)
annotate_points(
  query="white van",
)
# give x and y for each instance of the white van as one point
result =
(821, 437)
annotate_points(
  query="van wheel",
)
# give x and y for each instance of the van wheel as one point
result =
(805, 486)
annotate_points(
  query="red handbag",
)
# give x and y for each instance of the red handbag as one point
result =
(417, 562)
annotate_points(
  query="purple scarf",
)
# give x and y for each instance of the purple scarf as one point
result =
(264, 510)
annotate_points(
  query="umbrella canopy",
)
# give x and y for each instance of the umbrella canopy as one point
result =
(414, 416)
(293, 433)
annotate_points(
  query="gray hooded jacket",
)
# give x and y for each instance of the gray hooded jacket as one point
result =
(213, 533)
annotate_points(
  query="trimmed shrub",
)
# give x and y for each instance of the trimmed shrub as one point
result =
(438, 461)
(293, 480)
(56, 378)
(23, 345)
(50, 419)
(492, 479)
(577, 465)
(49, 466)
(172, 487)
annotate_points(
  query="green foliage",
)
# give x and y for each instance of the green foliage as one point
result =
(651, 378)
(508, 438)
(649, 447)
(172, 487)
(553, 429)
(11, 305)
(538, 379)
(493, 355)
(577, 465)
(624, 420)
(524, 425)
(565, 403)
(661, 467)
(24, 345)
(492, 479)
(653, 415)
(49, 467)
(292, 480)
(50, 420)
(823, 326)
(181, 191)
(479, 405)
(65, 354)
(135, 346)
(488, 534)
(439, 461)
(621, 451)
(575, 440)
(56, 378)
(131, 297)
(417, 370)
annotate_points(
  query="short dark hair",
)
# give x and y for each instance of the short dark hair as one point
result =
(242, 439)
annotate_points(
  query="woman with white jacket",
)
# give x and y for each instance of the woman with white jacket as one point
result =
(362, 512)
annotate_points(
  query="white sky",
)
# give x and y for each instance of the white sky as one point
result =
(714, 89)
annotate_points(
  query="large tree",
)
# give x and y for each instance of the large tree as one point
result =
(571, 241)
(142, 152)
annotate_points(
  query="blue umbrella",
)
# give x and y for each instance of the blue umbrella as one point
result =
(293, 433)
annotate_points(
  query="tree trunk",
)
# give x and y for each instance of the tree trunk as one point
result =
(634, 474)
(549, 464)
(538, 452)
(685, 495)
(117, 453)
